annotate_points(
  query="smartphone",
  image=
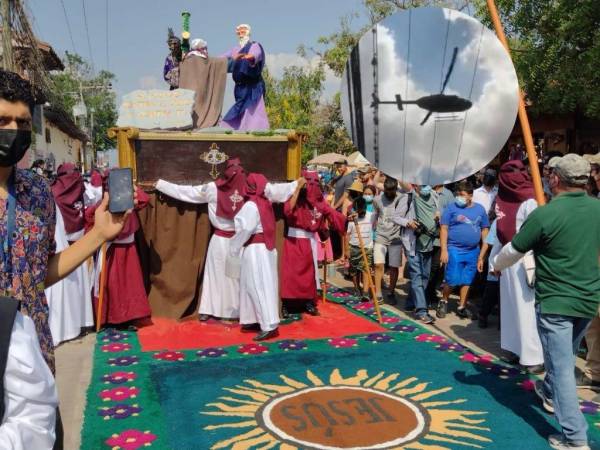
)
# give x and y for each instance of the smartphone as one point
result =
(120, 190)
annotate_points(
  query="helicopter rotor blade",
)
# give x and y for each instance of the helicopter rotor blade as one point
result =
(450, 69)
(426, 118)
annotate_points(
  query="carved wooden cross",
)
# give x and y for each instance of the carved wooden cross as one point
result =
(215, 157)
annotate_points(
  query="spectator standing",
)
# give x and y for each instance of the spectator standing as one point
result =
(365, 228)
(464, 225)
(425, 210)
(391, 217)
(341, 183)
(485, 195)
(565, 238)
(491, 292)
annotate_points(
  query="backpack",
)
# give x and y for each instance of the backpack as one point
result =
(8, 312)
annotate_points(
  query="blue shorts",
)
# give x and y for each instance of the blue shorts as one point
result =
(462, 266)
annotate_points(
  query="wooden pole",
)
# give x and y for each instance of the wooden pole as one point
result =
(101, 287)
(368, 271)
(524, 121)
(8, 61)
(324, 287)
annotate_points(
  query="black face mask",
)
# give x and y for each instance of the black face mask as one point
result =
(13, 145)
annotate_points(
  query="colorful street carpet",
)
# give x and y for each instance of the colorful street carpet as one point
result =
(399, 387)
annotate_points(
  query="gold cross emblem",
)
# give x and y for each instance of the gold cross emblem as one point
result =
(215, 157)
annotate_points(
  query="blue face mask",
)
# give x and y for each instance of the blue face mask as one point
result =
(426, 191)
(368, 198)
(461, 202)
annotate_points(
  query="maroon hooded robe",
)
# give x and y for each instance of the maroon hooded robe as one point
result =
(312, 214)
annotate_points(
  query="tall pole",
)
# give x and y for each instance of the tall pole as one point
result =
(7, 50)
(524, 121)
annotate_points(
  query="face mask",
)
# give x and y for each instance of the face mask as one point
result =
(426, 191)
(13, 145)
(368, 198)
(461, 202)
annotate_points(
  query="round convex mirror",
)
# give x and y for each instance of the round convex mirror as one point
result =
(429, 95)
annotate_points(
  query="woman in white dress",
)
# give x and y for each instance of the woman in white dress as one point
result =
(518, 328)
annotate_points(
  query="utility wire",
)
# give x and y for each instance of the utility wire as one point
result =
(87, 33)
(62, 2)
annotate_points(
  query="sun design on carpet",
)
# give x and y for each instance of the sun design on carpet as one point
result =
(358, 412)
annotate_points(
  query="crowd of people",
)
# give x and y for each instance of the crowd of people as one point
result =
(537, 265)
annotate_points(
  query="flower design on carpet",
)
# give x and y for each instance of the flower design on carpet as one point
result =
(116, 347)
(252, 349)
(377, 338)
(212, 352)
(528, 385)
(119, 377)
(362, 410)
(340, 294)
(343, 342)
(131, 440)
(292, 344)
(391, 319)
(590, 408)
(169, 356)
(365, 307)
(449, 346)
(404, 328)
(115, 337)
(484, 360)
(119, 411)
(426, 337)
(123, 361)
(119, 394)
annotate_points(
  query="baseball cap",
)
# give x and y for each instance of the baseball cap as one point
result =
(593, 159)
(573, 169)
(553, 161)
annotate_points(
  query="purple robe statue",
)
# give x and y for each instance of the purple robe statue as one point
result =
(248, 112)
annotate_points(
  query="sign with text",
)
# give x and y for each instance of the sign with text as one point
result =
(157, 109)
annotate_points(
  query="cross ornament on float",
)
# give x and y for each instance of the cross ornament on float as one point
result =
(215, 157)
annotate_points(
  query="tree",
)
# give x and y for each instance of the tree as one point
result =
(96, 95)
(556, 50)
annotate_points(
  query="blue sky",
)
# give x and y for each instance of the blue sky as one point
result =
(138, 28)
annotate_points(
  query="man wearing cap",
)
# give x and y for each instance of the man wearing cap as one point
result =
(565, 238)
(486, 194)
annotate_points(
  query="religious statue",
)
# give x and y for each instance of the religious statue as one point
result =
(246, 62)
(172, 61)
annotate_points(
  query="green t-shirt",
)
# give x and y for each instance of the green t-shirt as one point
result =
(565, 238)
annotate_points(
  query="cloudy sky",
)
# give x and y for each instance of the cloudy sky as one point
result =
(448, 147)
(137, 31)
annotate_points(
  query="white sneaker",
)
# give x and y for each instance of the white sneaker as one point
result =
(558, 442)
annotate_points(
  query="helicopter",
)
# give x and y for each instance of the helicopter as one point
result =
(438, 103)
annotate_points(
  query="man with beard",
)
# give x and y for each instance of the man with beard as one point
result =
(247, 62)
(306, 213)
(220, 295)
(172, 61)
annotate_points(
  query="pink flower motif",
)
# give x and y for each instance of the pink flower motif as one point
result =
(528, 385)
(169, 356)
(343, 342)
(425, 337)
(131, 440)
(364, 306)
(252, 349)
(119, 377)
(119, 394)
(469, 357)
(484, 360)
(391, 319)
(116, 347)
(340, 294)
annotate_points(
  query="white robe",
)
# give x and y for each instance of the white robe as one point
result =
(518, 326)
(70, 299)
(30, 397)
(220, 294)
(259, 283)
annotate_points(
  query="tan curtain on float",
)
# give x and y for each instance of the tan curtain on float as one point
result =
(172, 250)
